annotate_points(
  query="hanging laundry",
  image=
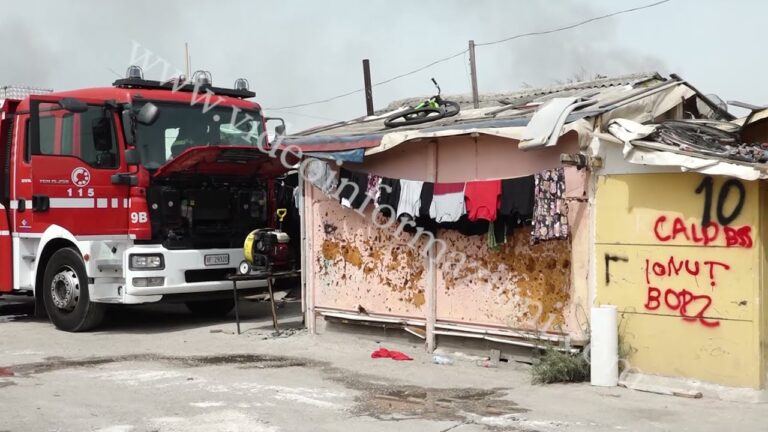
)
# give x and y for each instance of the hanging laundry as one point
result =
(425, 200)
(517, 197)
(321, 175)
(373, 187)
(352, 189)
(550, 211)
(389, 195)
(410, 197)
(497, 233)
(447, 202)
(483, 199)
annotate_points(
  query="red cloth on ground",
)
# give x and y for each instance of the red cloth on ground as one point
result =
(385, 353)
(483, 199)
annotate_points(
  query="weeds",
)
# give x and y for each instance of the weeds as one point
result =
(558, 366)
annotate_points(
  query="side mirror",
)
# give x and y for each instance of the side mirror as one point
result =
(132, 157)
(73, 105)
(148, 114)
(279, 129)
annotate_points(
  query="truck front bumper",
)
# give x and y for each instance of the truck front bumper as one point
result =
(184, 272)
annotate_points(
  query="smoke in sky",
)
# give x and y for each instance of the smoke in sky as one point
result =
(298, 51)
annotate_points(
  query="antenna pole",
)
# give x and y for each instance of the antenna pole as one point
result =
(186, 59)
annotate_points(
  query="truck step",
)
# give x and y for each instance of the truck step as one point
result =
(112, 266)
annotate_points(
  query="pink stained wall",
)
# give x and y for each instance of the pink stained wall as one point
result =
(520, 286)
(465, 158)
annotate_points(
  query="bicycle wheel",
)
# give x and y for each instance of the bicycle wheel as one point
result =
(451, 108)
(414, 116)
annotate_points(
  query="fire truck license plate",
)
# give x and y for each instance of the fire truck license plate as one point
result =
(213, 260)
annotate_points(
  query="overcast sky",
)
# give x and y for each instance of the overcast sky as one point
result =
(304, 50)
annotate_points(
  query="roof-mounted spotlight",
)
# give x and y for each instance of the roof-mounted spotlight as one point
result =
(242, 84)
(134, 72)
(202, 77)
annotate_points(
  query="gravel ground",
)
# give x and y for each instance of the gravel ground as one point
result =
(157, 368)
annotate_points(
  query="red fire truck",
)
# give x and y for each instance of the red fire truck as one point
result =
(135, 193)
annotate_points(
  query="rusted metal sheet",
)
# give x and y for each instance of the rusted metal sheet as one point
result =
(361, 267)
(519, 285)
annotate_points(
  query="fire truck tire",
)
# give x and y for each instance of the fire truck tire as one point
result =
(65, 293)
(211, 308)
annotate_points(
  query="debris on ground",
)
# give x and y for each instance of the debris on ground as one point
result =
(385, 353)
(442, 360)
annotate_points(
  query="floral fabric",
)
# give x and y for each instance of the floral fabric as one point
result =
(550, 210)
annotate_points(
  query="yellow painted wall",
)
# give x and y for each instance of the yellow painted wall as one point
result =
(689, 296)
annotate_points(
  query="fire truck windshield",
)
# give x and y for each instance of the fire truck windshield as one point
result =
(181, 126)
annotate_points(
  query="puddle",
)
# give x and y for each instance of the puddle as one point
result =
(375, 398)
(399, 402)
(241, 360)
(434, 404)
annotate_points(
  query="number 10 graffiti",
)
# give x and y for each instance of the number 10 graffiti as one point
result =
(706, 186)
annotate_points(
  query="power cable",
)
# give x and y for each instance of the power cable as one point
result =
(462, 52)
(568, 27)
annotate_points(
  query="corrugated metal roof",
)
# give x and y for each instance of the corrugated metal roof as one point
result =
(497, 106)
(562, 90)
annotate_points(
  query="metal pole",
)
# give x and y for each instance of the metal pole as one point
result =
(237, 305)
(431, 294)
(272, 302)
(302, 249)
(368, 87)
(473, 71)
(186, 59)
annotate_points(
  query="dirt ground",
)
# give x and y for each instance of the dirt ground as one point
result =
(157, 368)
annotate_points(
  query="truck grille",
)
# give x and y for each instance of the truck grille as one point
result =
(208, 275)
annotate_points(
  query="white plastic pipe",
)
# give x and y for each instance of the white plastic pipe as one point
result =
(604, 347)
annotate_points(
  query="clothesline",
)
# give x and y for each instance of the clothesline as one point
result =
(538, 200)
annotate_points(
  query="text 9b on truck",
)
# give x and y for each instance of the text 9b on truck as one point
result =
(130, 194)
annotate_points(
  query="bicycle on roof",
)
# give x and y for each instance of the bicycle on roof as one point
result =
(429, 110)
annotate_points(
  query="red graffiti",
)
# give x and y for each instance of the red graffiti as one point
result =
(683, 302)
(702, 234)
(675, 267)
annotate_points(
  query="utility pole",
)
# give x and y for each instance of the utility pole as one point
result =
(186, 60)
(368, 87)
(473, 72)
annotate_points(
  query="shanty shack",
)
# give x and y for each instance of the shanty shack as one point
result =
(513, 219)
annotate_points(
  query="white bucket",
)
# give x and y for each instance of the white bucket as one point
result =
(604, 347)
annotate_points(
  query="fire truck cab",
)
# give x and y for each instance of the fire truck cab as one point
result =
(135, 193)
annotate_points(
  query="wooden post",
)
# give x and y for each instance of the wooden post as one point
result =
(473, 72)
(431, 294)
(368, 87)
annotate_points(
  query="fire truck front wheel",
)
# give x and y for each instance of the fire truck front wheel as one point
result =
(65, 293)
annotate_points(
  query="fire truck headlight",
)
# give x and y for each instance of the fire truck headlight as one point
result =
(148, 282)
(146, 262)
